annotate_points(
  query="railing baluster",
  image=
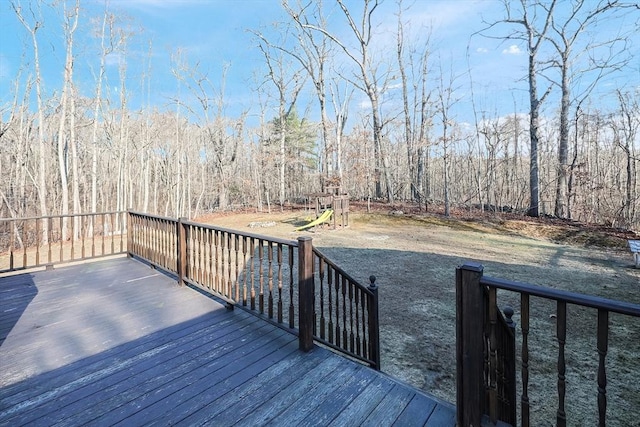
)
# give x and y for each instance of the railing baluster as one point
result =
(219, 262)
(291, 305)
(207, 258)
(524, 321)
(358, 293)
(314, 315)
(93, 234)
(49, 238)
(343, 284)
(73, 235)
(236, 284)
(321, 268)
(199, 252)
(156, 238)
(190, 266)
(123, 228)
(245, 268)
(12, 230)
(493, 318)
(270, 276)
(61, 239)
(351, 334)
(363, 308)
(83, 227)
(38, 240)
(280, 282)
(330, 289)
(229, 287)
(216, 244)
(113, 228)
(261, 278)
(603, 345)
(160, 238)
(336, 284)
(253, 285)
(25, 237)
(561, 328)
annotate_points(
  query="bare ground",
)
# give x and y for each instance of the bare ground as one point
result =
(414, 259)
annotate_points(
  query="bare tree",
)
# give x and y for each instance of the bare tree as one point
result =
(626, 130)
(565, 38)
(446, 99)
(413, 69)
(532, 29)
(40, 183)
(288, 82)
(313, 56)
(70, 24)
(369, 77)
(341, 95)
(108, 44)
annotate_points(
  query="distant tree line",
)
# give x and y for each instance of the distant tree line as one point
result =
(77, 151)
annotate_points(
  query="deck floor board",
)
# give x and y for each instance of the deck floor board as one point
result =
(114, 342)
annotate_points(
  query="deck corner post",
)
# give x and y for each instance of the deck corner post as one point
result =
(469, 345)
(305, 292)
(181, 256)
(374, 325)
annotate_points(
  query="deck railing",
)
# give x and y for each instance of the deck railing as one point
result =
(345, 312)
(258, 273)
(40, 241)
(485, 378)
(255, 272)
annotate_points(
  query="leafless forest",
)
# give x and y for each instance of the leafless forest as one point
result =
(71, 146)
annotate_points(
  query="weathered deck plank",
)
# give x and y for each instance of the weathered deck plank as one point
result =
(116, 343)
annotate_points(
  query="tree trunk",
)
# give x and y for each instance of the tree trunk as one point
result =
(563, 146)
(534, 179)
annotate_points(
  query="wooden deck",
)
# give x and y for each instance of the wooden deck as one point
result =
(115, 342)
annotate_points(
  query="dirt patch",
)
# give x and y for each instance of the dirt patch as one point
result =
(414, 258)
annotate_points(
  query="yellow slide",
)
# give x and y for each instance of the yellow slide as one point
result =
(323, 218)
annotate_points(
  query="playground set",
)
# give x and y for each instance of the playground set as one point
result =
(330, 208)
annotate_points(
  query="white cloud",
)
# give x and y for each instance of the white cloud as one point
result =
(482, 50)
(160, 4)
(365, 104)
(114, 59)
(512, 50)
(4, 67)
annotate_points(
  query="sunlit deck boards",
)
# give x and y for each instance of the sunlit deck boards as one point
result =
(114, 342)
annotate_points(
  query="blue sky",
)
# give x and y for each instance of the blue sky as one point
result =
(214, 33)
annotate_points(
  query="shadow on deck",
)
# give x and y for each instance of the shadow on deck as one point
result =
(114, 342)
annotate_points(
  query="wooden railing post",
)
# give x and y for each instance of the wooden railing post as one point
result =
(305, 292)
(181, 235)
(374, 325)
(470, 394)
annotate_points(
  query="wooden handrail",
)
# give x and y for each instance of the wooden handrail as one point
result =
(615, 306)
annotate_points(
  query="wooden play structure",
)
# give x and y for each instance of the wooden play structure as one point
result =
(334, 201)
